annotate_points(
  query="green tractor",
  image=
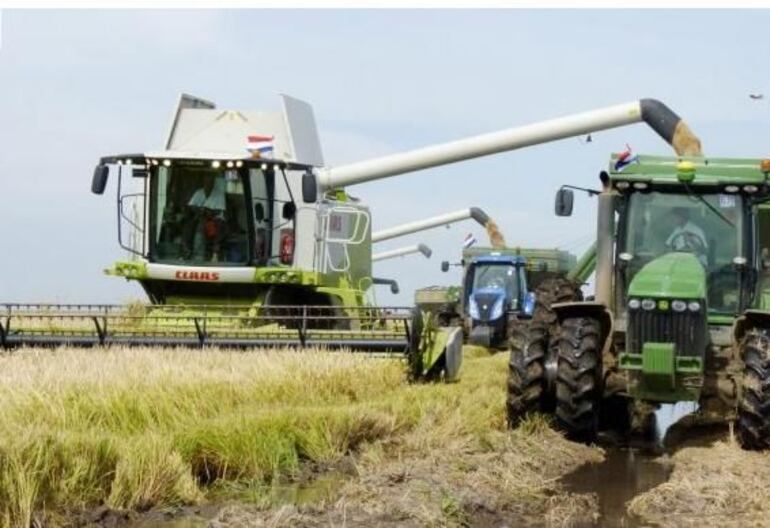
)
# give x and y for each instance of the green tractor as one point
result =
(682, 304)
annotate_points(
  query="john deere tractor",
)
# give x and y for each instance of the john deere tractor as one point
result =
(682, 304)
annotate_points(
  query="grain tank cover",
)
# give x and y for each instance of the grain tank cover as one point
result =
(199, 126)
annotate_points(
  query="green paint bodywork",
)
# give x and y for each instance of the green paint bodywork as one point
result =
(708, 171)
(671, 276)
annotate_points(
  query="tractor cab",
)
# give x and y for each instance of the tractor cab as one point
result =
(494, 289)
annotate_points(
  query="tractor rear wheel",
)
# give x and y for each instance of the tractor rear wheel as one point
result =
(754, 406)
(579, 379)
(526, 381)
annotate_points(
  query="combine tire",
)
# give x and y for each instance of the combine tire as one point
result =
(754, 406)
(414, 355)
(579, 379)
(526, 380)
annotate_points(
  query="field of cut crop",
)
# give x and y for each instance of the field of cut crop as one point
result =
(140, 429)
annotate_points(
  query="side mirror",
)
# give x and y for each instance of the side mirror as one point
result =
(394, 288)
(289, 210)
(528, 307)
(445, 266)
(565, 199)
(309, 188)
(259, 212)
(99, 181)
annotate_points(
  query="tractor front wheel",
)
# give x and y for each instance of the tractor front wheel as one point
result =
(754, 406)
(579, 378)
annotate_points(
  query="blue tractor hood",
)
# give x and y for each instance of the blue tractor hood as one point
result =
(487, 304)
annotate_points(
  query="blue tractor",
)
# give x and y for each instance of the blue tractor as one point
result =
(495, 297)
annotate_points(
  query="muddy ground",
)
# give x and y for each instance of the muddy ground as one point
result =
(517, 480)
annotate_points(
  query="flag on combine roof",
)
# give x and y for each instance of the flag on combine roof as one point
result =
(625, 159)
(261, 146)
(469, 240)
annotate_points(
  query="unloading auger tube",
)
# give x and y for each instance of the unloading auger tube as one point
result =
(402, 252)
(667, 124)
(474, 213)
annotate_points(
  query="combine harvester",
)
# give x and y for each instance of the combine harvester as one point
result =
(242, 238)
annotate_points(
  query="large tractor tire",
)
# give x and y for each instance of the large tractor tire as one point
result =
(579, 379)
(754, 406)
(525, 378)
(533, 364)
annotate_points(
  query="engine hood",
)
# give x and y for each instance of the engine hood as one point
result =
(674, 275)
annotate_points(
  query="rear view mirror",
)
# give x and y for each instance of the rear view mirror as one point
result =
(564, 201)
(99, 181)
(445, 266)
(309, 188)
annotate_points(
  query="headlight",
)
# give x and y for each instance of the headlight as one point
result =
(694, 306)
(634, 304)
(497, 309)
(648, 304)
(678, 306)
(473, 308)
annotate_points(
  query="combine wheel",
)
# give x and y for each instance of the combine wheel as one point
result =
(414, 355)
(526, 379)
(754, 406)
(579, 379)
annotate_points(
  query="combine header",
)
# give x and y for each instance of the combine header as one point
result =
(241, 237)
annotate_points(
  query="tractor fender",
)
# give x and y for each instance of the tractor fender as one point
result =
(750, 319)
(593, 309)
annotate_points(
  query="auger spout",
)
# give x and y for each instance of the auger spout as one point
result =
(667, 124)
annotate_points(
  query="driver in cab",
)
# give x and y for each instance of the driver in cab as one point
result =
(686, 235)
(208, 207)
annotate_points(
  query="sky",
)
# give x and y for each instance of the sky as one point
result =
(79, 84)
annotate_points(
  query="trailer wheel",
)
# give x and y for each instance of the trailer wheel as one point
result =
(754, 405)
(579, 379)
(526, 380)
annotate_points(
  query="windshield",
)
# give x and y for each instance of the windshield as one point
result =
(200, 215)
(709, 226)
(497, 276)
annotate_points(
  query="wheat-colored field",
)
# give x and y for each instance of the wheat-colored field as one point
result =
(141, 428)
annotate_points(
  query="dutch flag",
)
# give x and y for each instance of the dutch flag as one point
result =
(469, 241)
(625, 159)
(261, 146)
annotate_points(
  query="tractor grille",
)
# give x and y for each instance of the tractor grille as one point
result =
(687, 330)
(486, 300)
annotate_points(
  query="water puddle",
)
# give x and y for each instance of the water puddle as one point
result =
(625, 473)
(322, 488)
(631, 470)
